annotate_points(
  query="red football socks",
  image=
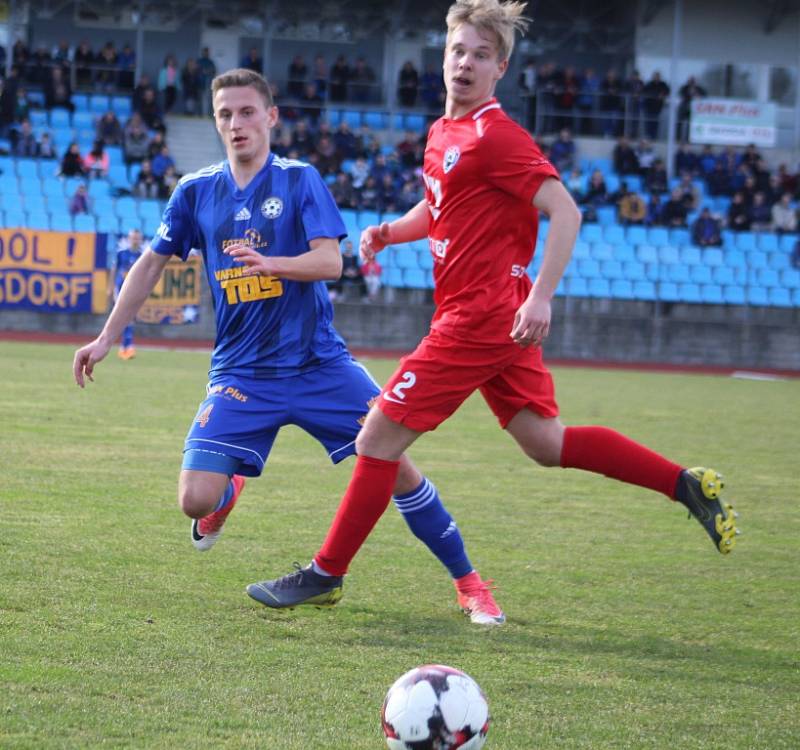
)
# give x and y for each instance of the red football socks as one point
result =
(366, 498)
(605, 451)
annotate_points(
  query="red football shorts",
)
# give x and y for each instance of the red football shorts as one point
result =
(441, 373)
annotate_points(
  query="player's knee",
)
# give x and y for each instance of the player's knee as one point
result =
(544, 453)
(193, 503)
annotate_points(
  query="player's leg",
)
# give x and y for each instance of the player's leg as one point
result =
(417, 499)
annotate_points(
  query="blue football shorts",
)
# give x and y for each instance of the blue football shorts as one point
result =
(240, 417)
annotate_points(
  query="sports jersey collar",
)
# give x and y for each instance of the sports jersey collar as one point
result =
(477, 112)
(239, 192)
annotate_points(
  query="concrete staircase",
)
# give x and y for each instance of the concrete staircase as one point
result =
(193, 142)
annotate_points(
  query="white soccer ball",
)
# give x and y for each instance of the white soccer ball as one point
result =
(434, 707)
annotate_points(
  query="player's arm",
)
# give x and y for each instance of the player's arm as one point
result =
(413, 225)
(139, 282)
(322, 262)
(532, 321)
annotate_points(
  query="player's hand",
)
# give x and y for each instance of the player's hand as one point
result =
(532, 322)
(256, 262)
(86, 358)
(373, 240)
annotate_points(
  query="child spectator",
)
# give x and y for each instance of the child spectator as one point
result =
(371, 271)
(96, 161)
(72, 163)
(47, 149)
(79, 203)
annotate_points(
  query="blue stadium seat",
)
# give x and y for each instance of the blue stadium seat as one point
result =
(53, 187)
(699, 274)
(757, 295)
(668, 291)
(634, 183)
(81, 101)
(756, 259)
(780, 297)
(746, 241)
(767, 277)
(611, 269)
(544, 228)
(61, 222)
(108, 224)
(636, 235)
(368, 218)
(577, 287)
(624, 252)
(790, 278)
(406, 258)
(602, 251)
(735, 259)
(688, 292)
(647, 254)
(607, 216)
(415, 278)
(723, 275)
(713, 257)
(676, 272)
(622, 289)
(333, 117)
(591, 233)
(778, 260)
(614, 235)
(350, 218)
(768, 242)
(581, 249)
(679, 236)
(657, 236)
(728, 240)
(376, 120)
(39, 220)
(148, 226)
(149, 207)
(425, 260)
(115, 156)
(414, 122)
(787, 242)
(83, 120)
(734, 295)
(393, 277)
(721, 204)
(27, 168)
(589, 268)
(690, 255)
(30, 189)
(711, 294)
(645, 290)
(612, 182)
(59, 118)
(122, 107)
(85, 223)
(634, 270)
(99, 189)
(599, 288)
(99, 104)
(352, 118)
(38, 118)
(668, 254)
(118, 176)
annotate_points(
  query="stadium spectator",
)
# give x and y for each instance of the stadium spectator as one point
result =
(685, 160)
(360, 172)
(23, 140)
(738, 214)
(72, 162)
(786, 180)
(339, 77)
(566, 94)
(352, 278)
(368, 195)
(410, 195)
(371, 270)
(690, 91)
(96, 161)
(8, 101)
(311, 104)
(84, 61)
(407, 85)
(631, 208)
(126, 63)
(674, 212)
(155, 145)
(719, 181)
(387, 193)
(253, 61)
(574, 184)
(106, 68)
(596, 191)
(656, 178)
(162, 161)
(302, 138)
(654, 96)
(62, 54)
(612, 104)
(625, 161)
(129, 250)
(784, 216)
(144, 84)
(192, 86)
(706, 161)
(690, 195)
(562, 152)
(645, 155)
(329, 160)
(147, 184)
(108, 129)
(38, 66)
(296, 77)
(587, 101)
(343, 192)
(760, 213)
(22, 106)
(135, 140)
(169, 83)
(47, 149)
(408, 149)
(319, 76)
(208, 70)
(150, 111)
(362, 81)
(169, 181)
(57, 91)
(706, 230)
(654, 211)
(432, 88)
(634, 89)
(79, 202)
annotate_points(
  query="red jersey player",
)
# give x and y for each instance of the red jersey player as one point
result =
(485, 183)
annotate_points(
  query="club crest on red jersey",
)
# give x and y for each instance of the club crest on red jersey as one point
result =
(450, 158)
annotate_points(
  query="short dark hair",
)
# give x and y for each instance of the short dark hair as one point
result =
(243, 77)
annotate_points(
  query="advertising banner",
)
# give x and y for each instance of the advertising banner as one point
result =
(733, 122)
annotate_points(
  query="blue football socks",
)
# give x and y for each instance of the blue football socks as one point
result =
(227, 496)
(430, 522)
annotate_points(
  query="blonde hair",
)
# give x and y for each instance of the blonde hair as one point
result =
(490, 16)
(243, 77)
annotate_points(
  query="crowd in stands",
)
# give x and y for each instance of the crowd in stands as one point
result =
(752, 197)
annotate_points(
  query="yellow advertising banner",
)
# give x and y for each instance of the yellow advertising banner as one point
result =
(53, 271)
(176, 297)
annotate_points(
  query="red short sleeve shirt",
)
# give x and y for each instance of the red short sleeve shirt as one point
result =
(481, 173)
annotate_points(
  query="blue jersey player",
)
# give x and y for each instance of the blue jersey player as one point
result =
(269, 233)
(130, 251)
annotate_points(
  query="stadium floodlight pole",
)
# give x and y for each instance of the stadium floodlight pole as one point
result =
(677, 28)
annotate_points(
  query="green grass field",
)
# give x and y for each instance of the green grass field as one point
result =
(625, 628)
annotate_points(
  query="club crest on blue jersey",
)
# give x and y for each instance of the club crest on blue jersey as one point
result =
(272, 208)
(450, 158)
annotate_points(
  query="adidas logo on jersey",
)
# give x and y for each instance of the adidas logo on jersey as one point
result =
(242, 215)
